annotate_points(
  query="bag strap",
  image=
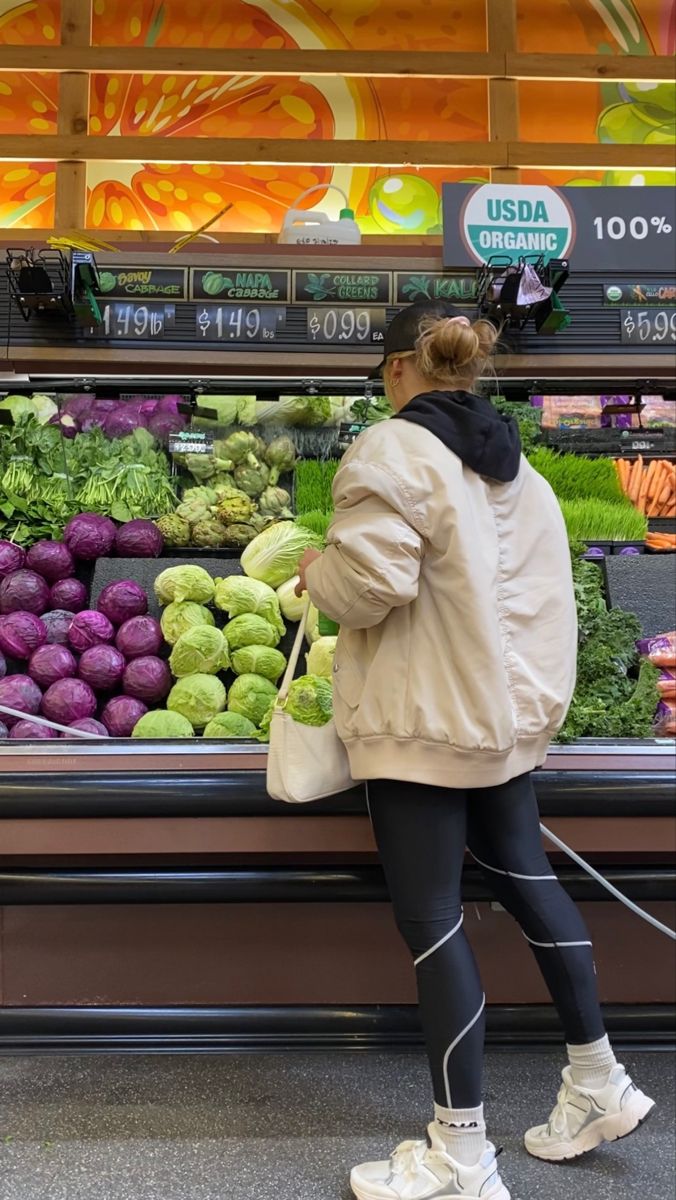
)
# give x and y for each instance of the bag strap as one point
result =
(294, 655)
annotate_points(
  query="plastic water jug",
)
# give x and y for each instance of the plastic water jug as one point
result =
(317, 228)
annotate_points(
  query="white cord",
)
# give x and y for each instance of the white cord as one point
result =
(608, 886)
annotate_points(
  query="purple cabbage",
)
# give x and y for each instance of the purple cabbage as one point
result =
(52, 560)
(88, 628)
(29, 729)
(121, 714)
(162, 424)
(139, 539)
(68, 594)
(78, 407)
(122, 422)
(67, 700)
(48, 664)
(102, 667)
(97, 414)
(139, 636)
(3, 667)
(24, 591)
(87, 725)
(89, 536)
(147, 678)
(21, 633)
(12, 558)
(122, 600)
(21, 693)
(57, 623)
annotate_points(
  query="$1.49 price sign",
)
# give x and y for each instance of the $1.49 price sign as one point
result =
(134, 322)
(648, 326)
(346, 326)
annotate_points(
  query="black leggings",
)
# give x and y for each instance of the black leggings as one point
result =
(421, 834)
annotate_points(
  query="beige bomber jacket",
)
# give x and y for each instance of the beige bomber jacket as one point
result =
(456, 656)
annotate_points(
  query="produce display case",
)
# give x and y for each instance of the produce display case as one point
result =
(151, 892)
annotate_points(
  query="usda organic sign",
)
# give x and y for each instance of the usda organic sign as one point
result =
(533, 220)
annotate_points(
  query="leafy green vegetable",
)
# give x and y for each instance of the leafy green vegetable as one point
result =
(184, 583)
(250, 630)
(310, 700)
(200, 650)
(273, 555)
(291, 604)
(574, 477)
(162, 724)
(237, 594)
(230, 725)
(319, 657)
(180, 616)
(252, 696)
(259, 660)
(316, 522)
(314, 484)
(198, 698)
(595, 520)
(528, 419)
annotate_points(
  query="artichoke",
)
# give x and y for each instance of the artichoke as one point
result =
(200, 466)
(237, 507)
(207, 494)
(252, 479)
(280, 456)
(239, 534)
(209, 532)
(174, 530)
(259, 521)
(193, 510)
(274, 502)
(237, 447)
(223, 485)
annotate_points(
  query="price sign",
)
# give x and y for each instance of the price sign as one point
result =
(149, 283)
(648, 326)
(346, 326)
(191, 441)
(134, 322)
(239, 323)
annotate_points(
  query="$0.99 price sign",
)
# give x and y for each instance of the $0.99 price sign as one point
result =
(346, 326)
(239, 323)
(648, 326)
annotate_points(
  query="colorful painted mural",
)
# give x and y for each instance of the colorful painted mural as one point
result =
(183, 196)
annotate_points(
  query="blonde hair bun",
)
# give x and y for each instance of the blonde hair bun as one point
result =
(454, 349)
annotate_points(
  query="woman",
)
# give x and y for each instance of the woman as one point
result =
(448, 570)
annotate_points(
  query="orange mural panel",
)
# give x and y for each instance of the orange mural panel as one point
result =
(27, 195)
(30, 22)
(28, 103)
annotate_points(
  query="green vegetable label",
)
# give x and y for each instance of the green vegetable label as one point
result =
(331, 287)
(410, 287)
(148, 283)
(238, 283)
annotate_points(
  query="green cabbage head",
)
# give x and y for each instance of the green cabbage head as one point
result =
(184, 583)
(249, 630)
(237, 594)
(252, 696)
(230, 725)
(181, 615)
(273, 555)
(201, 649)
(310, 700)
(162, 724)
(320, 656)
(259, 660)
(198, 698)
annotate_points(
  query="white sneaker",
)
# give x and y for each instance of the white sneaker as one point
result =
(426, 1171)
(583, 1117)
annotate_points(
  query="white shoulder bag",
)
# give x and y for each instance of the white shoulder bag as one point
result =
(305, 762)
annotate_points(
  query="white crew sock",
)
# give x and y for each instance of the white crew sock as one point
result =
(591, 1064)
(463, 1131)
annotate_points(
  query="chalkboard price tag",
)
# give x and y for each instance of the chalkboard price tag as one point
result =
(134, 322)
(191, 441)
(648, 326)
(346, 326)
(143, 283)
(342, 287)
(239, 323)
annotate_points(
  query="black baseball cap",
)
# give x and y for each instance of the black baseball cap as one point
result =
(403, 331)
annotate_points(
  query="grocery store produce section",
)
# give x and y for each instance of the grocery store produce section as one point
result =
(150, 535)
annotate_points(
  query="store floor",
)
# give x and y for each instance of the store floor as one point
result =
(286, 1126)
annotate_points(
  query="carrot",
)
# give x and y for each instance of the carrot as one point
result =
(659, 482)
(643, 490)
(636, 477)
(650, 478)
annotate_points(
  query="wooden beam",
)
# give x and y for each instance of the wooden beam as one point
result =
(591, 68)
(70, 205)
(36, 147)
(161, 60)
(503, 94)
(131, 60)
(242, 151)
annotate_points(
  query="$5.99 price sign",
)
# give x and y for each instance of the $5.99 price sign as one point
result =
(346, 326)
(648, 326)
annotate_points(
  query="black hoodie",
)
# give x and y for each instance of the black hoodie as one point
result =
(472, 428)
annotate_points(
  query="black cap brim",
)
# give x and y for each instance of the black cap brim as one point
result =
(377, 372)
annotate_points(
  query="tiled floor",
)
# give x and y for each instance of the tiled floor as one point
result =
(287, 1126)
